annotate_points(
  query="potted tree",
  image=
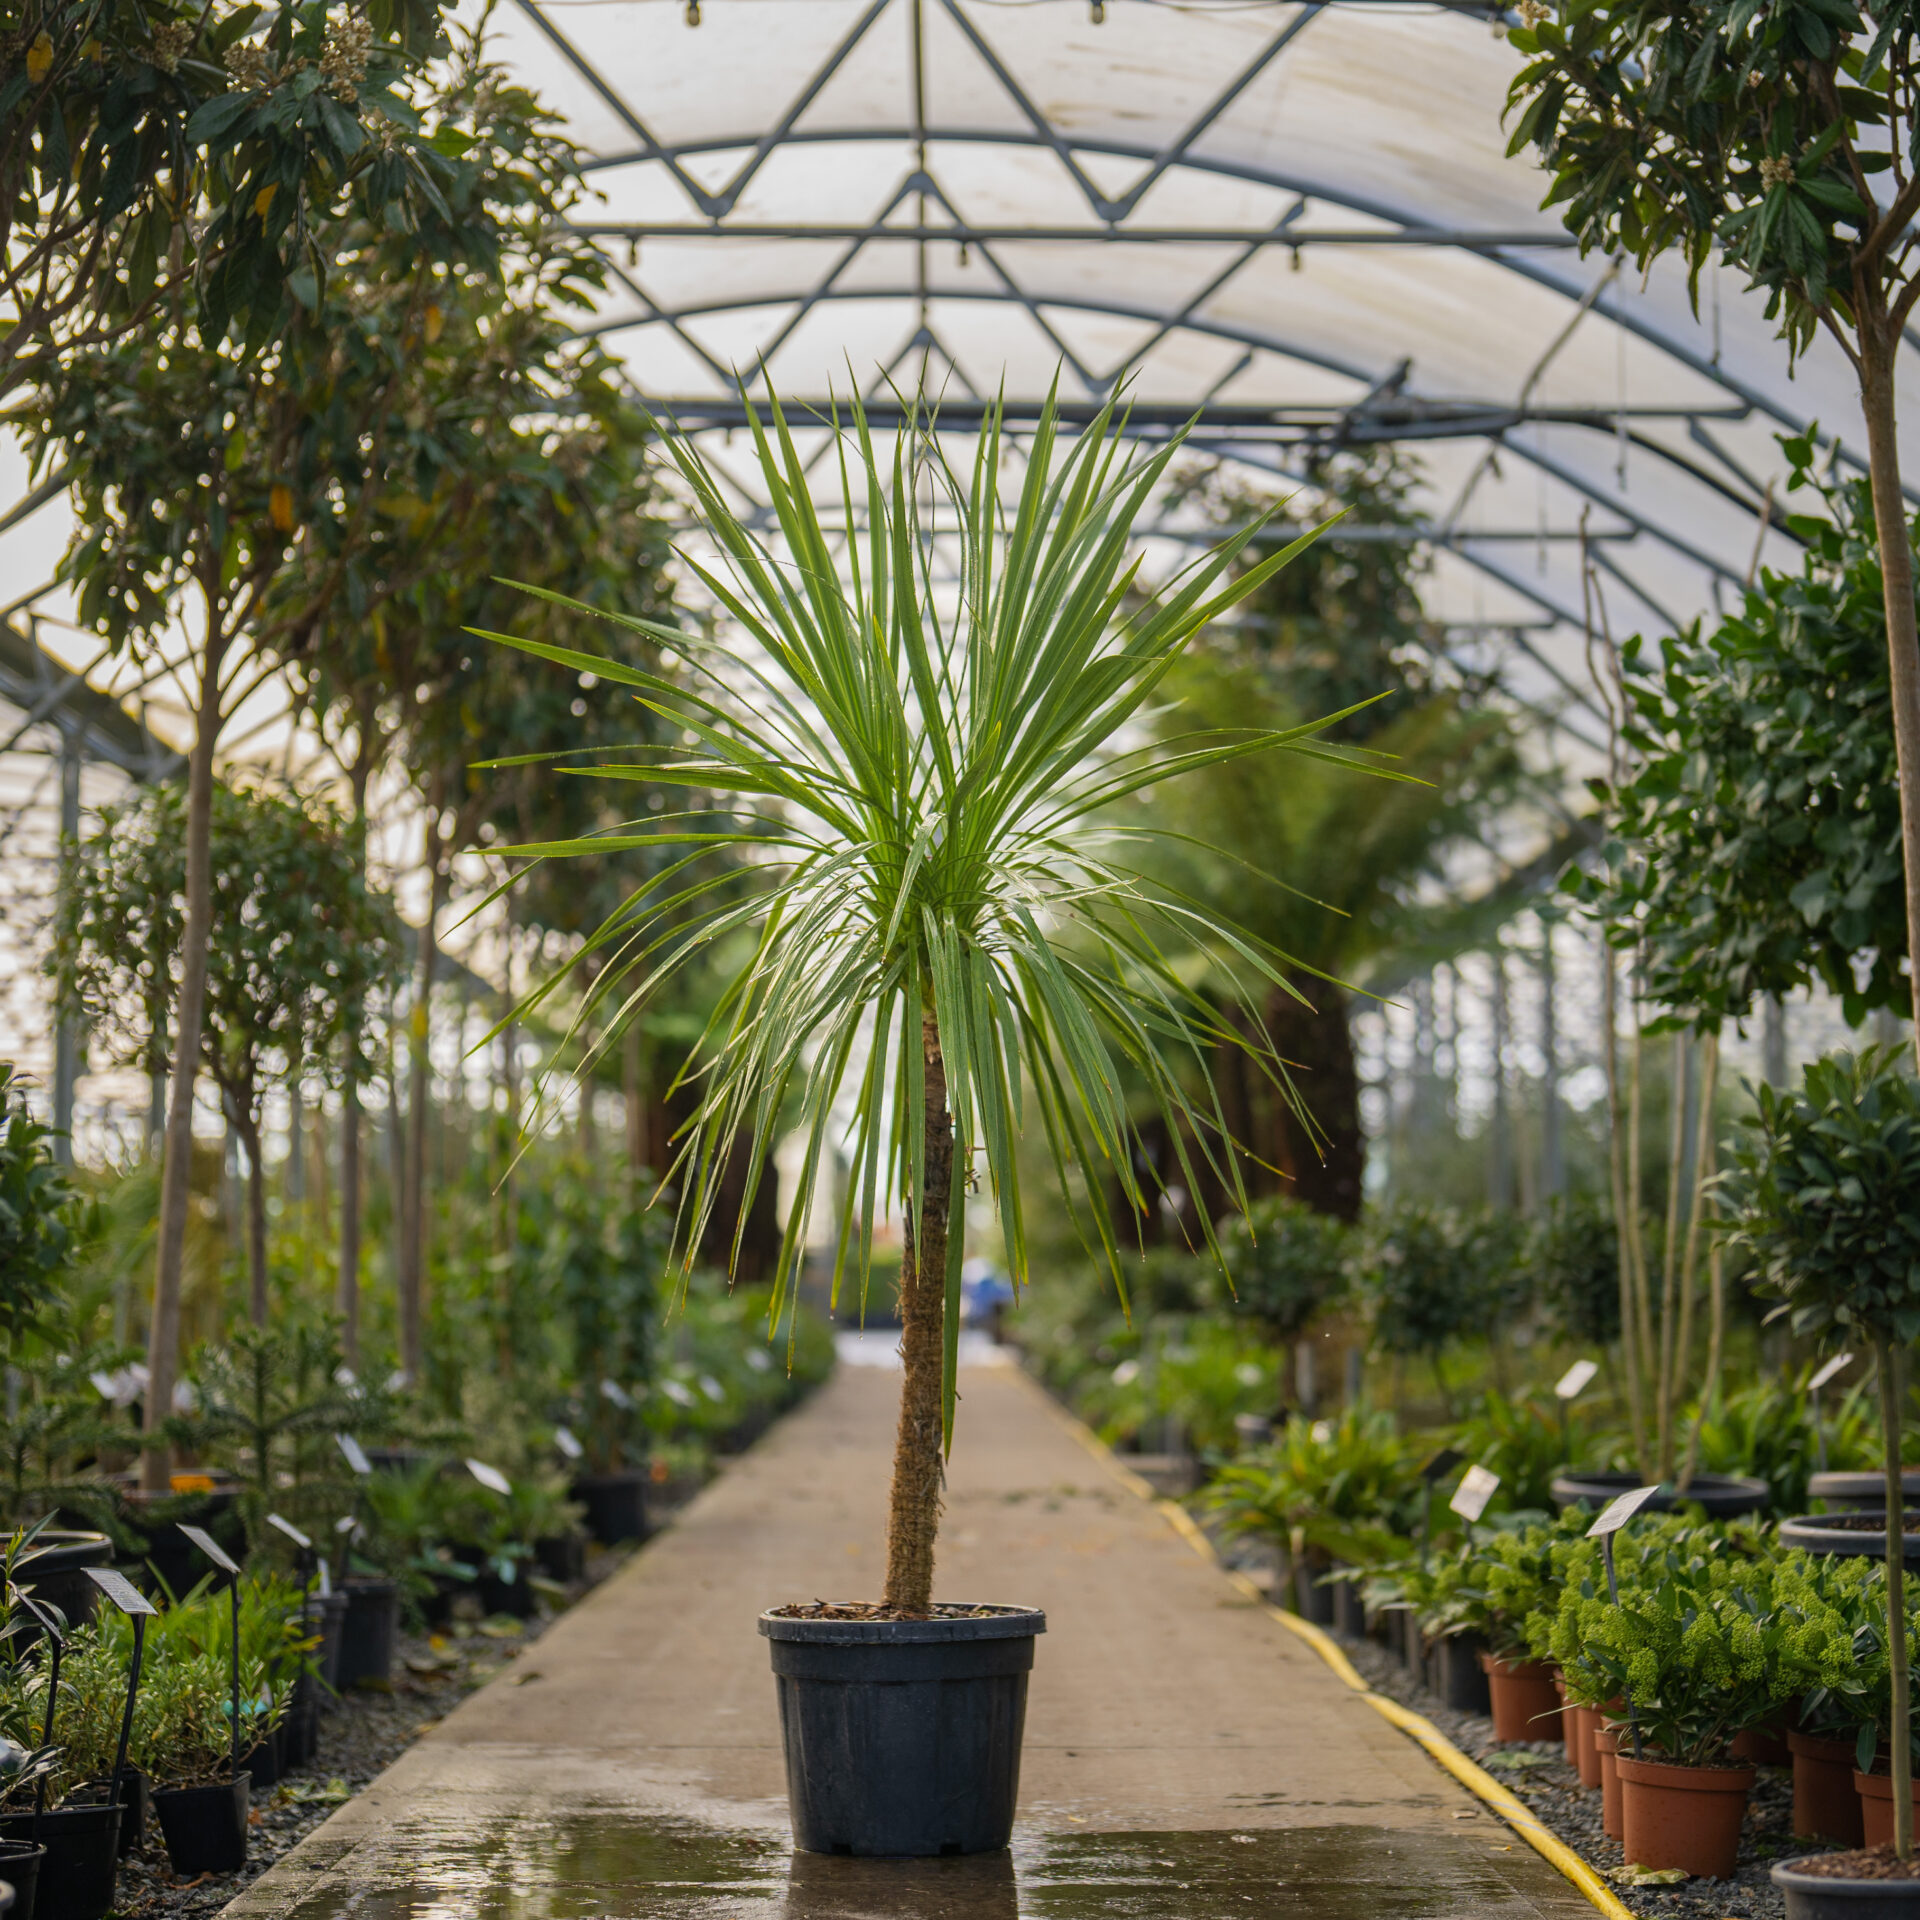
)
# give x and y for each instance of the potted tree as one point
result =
(945, 940)
(1821, 1194)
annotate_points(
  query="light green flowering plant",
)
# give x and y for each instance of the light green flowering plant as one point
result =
(1838, 1610)
(1695, 1642)
(1510, 1575)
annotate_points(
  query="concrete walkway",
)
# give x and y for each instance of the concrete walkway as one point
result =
(1185, 1755)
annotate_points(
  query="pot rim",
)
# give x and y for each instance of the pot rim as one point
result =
(1874, 1782)
(1691, 1779)
(1784, 1874)
(1011, 1623)
(1514, 1669)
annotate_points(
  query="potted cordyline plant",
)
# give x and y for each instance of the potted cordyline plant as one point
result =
(1822, 1193)
(943, 938)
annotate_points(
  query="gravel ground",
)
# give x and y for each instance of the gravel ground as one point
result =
(359, 1740)
(1537, 1774)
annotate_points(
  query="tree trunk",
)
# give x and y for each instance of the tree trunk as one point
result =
(913, 1515)
(413, 1244)
(256, 1220)
(1900, 1756)
(176, 1169)
(1877, 349)
(1631, 1357)
(348, 1283)
(1317, 1044)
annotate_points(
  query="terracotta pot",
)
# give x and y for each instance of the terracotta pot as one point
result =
(1525, 1706)
(1606, 1744)
(1762, 1746)
(1585, 1722)
(1685, 1817)
(1826, 1805)
(1876, 1806)
(1569, 1721)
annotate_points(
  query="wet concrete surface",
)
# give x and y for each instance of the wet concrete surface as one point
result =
(602, 1866)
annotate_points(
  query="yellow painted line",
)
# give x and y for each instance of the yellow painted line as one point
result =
(1477, 1781)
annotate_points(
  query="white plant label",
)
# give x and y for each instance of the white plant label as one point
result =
(120, 1590)
(1837, 1364)
(1576, 1380)
(292, 1532)
(352, 1453)
(1477, 1486)
(212, 1548)
(490, 1477)
(564, 1440)
(1617, 1513)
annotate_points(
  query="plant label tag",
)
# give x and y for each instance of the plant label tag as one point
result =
(1617, 1513)
(120, 1590)
(1442, 1464)
(1837, 1364)
(563, 1438)
(352, 1453)
(212, 1548)
(614, 1391)
(1576, 1380)
(490, 1477)
(326, 1584)
(1477, 1486)
(347, 1524)
(292, 1532)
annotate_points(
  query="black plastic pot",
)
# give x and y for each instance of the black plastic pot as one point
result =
(1461, 1681)
(167, 1557)
(1311, 1600)
(83, 1860)
(1857, 1492)
(1724, 1495)
(1813, 1896)
(616, 1505)
(20, 1869)
(265, 1764)
(329, 1616)
(1817, 1533)
(561, 1556)
(903, 1736)
(136, 1805)
(55, 1571)
(1349, 1616)
(368, 1632)
(205, 1828)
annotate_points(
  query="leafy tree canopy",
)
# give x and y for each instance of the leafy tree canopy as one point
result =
(37, 1208)
(1756, 848)
(1286, 1263)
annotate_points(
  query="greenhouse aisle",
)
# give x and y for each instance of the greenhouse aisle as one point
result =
(1185, 1755)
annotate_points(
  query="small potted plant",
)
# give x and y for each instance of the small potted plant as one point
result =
(1821, 1194)
(201, 1797)
(1512, 1576)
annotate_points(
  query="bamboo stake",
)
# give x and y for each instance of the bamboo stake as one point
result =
(1610, 1047)
(1703, 1162)
(1637, 1240)
(1670, 1251)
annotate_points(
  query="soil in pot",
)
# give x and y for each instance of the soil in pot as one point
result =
(1606, 1744)
(903, 1737)
(368, 1633)
(20, 1869)
(1872, 1883)
(1860, 1535)
(1826, 1805)
(1525, 1705)
(78, 1876)
(1685, 1817)
(1876, 1806)
(616, 1505)
(1723, 1495)
(205, 1828)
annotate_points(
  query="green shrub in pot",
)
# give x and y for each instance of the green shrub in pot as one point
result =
(1821, 1195)
(1838, 1609)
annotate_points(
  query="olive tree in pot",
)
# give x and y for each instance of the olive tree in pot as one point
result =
(1821, 1194)
(940, 934)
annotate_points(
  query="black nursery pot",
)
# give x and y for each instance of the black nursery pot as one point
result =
(368, 1632)
(1859, 1535)
(616, 1505)
(136, 1805)
(1724, 1496)
(1812, 1896)
(83, 1859)
(1854, 1492)
(1313, 1601)
(1349, 1616)
(205, 1828)
(1462, 1681)
(20, 1869)
(903, 1736)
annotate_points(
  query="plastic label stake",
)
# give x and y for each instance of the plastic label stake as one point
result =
(490, 1477)
(1576, 1380)
(135, 1604)
(563, 1438)
(303, 1541)
(227, 1565)
(1613, 1517)
(1836, 1365)
(1477, 1486)
(353, 1453)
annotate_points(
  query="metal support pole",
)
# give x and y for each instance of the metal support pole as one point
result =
(66, 1034)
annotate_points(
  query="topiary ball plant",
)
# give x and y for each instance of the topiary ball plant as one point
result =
(1823, 1193)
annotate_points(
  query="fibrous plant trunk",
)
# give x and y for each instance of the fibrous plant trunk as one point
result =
(1624, 1226)
(1900, 1756)
(348, 1285)
(256, 1219)
(913, 1515)
(413, 1241)
(163, 1338)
